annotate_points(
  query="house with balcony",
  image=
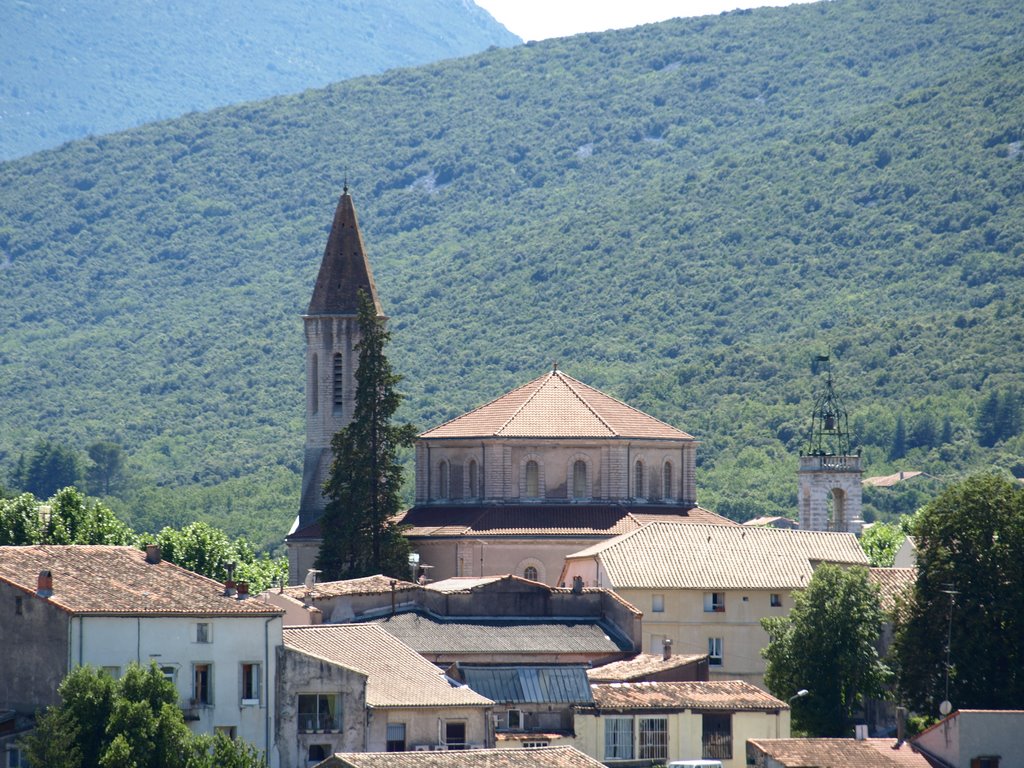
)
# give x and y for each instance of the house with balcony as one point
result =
(107, 607)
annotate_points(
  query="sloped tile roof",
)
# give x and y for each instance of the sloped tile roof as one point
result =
(892, 582)
(732, 695)
(888, 481)
(529, 683)
(397, 676)
(545, 757)
(344, 269)
(556, 406)
(670, 556)
(840, 753)
(608, 519)
(433, 635)
(106, 580)
(641, 665)
(368, 585)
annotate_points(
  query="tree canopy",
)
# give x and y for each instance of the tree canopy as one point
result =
(969, 542)
(360, 537)
(827, 645)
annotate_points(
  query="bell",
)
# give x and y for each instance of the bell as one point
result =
(830, 422)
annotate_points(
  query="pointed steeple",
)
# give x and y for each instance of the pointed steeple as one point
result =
(344, 269)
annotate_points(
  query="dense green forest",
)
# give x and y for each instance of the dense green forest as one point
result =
(682, 214)
(68, 70)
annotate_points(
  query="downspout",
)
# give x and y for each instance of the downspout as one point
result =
(266, 678)
(629, 470)
(81, 631)
(138, 640)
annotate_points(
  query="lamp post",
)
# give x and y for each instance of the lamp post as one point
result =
(799, 695)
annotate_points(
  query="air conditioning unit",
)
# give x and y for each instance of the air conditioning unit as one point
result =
(440, 748)
(421, 748)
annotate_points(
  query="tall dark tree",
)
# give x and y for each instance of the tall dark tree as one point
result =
(827, 645)
(899, 440)
(51, 466)
(360, 536)
(107, 459)
(970, 542)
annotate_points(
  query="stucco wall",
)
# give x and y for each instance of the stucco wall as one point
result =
(35, 650)
(423, 725)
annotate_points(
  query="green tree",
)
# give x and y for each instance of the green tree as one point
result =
(969, 542)
(104, 472)
(827, 645)
(51, 466)
(360, 537)
(899, 440)
(880, 543)
(207, 550)
(19, 520)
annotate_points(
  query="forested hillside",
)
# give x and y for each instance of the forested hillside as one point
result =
(682, 215)
(70, 69)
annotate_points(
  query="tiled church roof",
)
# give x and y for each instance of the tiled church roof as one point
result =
(556, 406)
(345, 270)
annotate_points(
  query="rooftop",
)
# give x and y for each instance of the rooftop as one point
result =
(368, 585)
(556, 406)
(545, 757)
(529, 683)
(670, 556)
(397, 676)
(731, 695)
(107, 580)
(892, 582)
(640, 666)
(888, 481)
(840, 753)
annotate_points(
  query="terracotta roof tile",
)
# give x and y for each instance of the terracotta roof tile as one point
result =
(556, 405)
(892, 582)
(94, 579)
(368, 585)
(640, 666)
(397, 676)
(839, 753)
(888, 481)
(672, 556)
(545, 757)
(714, 695)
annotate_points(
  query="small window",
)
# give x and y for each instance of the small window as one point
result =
(776, 600)
(985, 762)
(317, 753)
(314, 386)
(455, 734)
(171, 673)
(442, 480)
(715, 651)
(202, 681)
(714, 602)
(19, 608)
(515, 720)
(638, 480)
(618, 738)
(319, 713)
(339, 384)
(530, 573)
(396, 737)
(666, 481)
(658, 603)
(653, 739)
(203, 634)
(250, 683)
(579, 479)
(532, 480)
(474, 491)
(536, 744)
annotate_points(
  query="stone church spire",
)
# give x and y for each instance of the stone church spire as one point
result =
(332, 333)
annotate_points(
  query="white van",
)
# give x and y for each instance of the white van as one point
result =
(695, 764)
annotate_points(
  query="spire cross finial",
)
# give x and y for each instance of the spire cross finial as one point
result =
(554, 365)
(344, 188)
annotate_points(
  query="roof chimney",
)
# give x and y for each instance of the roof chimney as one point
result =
(666, 649)
(243, 590)
(44, 587)
(153, 554)
(860, 731)
(229, 588)
(577, 585)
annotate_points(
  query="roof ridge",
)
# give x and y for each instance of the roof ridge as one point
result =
(481, 406)
(627, 405)
(527, 400)
(569, 381)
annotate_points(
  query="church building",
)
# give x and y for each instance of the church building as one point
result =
(548, 469)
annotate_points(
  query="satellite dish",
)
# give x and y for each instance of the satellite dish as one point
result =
(945, 708)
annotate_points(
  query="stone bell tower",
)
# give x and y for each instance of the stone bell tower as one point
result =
(830, 473)
(332, 333)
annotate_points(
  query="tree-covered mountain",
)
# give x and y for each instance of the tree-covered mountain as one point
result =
(682, 215)
(68, 70)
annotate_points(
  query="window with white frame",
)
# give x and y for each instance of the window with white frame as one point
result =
(203, 633)
(16, 758)
(653, 738)
(715, 651)
(714, 602)
(618, 738)
(319, 712)
(170, 672)
(251, 682)
(657, 603)
(530, 572)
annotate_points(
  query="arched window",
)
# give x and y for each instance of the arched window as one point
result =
(339, 383)
(532, 480)
(474, 491)
(638, 482)
(666, 481)
(530, 572)
(442, 480)
(579, 479)
(314, 385)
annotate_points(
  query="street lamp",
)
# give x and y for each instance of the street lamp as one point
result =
(799, 695)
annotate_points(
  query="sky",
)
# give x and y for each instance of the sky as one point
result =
(541, 19)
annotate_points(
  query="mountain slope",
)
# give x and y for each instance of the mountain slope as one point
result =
(91, 67)
(682, 215)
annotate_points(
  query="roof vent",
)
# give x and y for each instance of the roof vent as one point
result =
(44, 587)
(153, 554)
(577, 585)
(666, 649)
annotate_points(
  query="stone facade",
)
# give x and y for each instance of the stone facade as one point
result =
(830, 493)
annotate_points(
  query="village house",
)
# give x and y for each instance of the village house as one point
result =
(706, 587)
(833, 753)
(547, 757)
(645, 724)
(108, 607)
(974, 738)
(664, 667)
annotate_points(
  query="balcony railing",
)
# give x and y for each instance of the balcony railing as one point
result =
(830, 461)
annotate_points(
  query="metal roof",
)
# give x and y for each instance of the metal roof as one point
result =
(522, 684)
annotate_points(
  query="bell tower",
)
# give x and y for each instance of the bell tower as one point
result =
(332, 333)
(830, 473)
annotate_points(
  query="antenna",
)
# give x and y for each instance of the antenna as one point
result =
(945, 707)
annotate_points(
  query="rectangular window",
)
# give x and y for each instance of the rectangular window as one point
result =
(653, 738)
(251, 683)
(717, 737)
(170, 672)
(776, 600)
(714, 602)
(985, 762)
(515, 720)
(319, 712)
(658, 603)
(228, 730)
(16, 759)
(455, 734)
(715, 651)
(396, 737)
(114, 672)
(535, 744)
(203, 634)
(618, 738)
(202, 682)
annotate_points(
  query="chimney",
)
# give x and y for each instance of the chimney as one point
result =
(153, 554)
(243, 590)
(666, 649)
(229, 588)
(901, 724)
(860, 731)
(45, 584)
(577, 585)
